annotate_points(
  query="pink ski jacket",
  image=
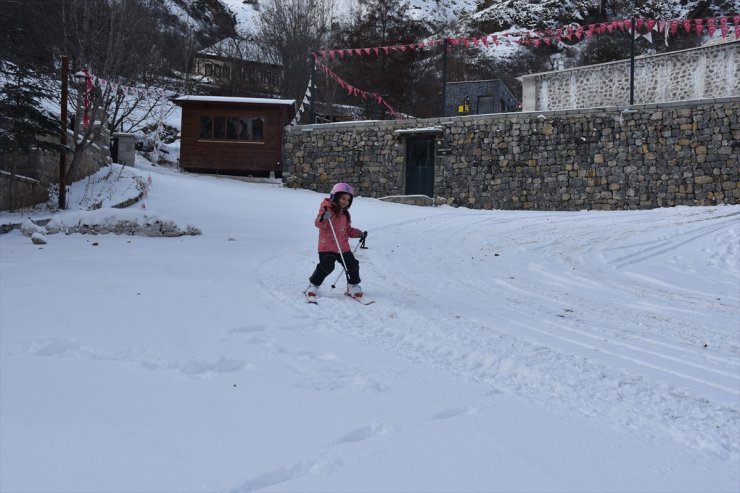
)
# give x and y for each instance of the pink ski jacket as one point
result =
(342, 227)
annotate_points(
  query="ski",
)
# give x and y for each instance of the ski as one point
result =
(364, 300)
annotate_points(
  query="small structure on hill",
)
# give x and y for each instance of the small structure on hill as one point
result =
(234, 136)
(478, 97)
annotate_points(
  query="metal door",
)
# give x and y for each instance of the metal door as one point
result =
(420, 166)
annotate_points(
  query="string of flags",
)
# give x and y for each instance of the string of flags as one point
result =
(643, 28)
(354, 91)
(142, 93)
(306, 102)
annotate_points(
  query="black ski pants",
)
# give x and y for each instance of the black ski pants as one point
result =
(326, 266)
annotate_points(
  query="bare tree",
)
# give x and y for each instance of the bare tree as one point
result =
(288, 31)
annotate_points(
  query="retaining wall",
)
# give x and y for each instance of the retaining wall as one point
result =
(648, 156)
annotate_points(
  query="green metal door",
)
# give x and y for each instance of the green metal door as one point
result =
(420, 166)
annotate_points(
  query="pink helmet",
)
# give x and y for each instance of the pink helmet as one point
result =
(342, 188)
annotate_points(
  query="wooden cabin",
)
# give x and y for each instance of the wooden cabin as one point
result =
(233, 136)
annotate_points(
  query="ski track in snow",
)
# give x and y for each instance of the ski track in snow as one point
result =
(634, 361)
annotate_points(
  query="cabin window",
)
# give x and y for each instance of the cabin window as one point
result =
(206, 127)
(219, 127)
(232, 128)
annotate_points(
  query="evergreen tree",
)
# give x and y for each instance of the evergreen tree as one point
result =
(25, 127)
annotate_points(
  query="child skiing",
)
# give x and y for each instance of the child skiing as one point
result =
(335, 229)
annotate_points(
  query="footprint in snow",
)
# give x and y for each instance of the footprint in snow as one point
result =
(366, 432)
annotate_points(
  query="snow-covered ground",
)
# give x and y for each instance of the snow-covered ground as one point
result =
(506, 351)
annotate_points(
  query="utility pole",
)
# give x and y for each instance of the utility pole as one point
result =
(63, 136)
(313, 88)
(632, 55)
(444, 77)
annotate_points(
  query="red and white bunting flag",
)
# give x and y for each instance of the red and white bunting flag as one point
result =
(601, 29)
(367, 51)
(358, 51)
(558, 33)
(494, 38)
(548, 41)
(341, 53)
(386, 49)
(711, 27)
(590, 32)
(412, 46)
(699, 26)
(674, 26)
(724, 30)
(537, 42)
(332, 54)
(484, 40)
(687, 25)
(569, 33)
(579, 32)
(402, 48)
(650, 24)
(638, 24)
(723, 21)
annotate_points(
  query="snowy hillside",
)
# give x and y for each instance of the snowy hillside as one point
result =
(506, 351)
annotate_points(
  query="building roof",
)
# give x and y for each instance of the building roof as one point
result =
(235, 100)
(239, 48)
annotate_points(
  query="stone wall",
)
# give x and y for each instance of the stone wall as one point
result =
(659, 155)
(699, 73)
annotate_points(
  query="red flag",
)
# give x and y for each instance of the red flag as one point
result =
(723, 21)
(638, 24)
(674, 26)
(367, 51)
(711, 26)
(569, 33)
(88, 87)
(699, 26)
(579, 32)
(386, 49)
(601, 29)
(341, 53)
(650, 24)
(590, 32)
(376, 50)
(558, 33)
(494, 38)
(484, 40)
(687, 25)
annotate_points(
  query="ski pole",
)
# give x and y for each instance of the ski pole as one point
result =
(359, 243)
(339, 249)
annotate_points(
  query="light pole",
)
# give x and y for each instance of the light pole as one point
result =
(632, 54)
(63, 135)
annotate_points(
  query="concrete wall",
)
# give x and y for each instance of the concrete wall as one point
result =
(699, 73)
(659, 155)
